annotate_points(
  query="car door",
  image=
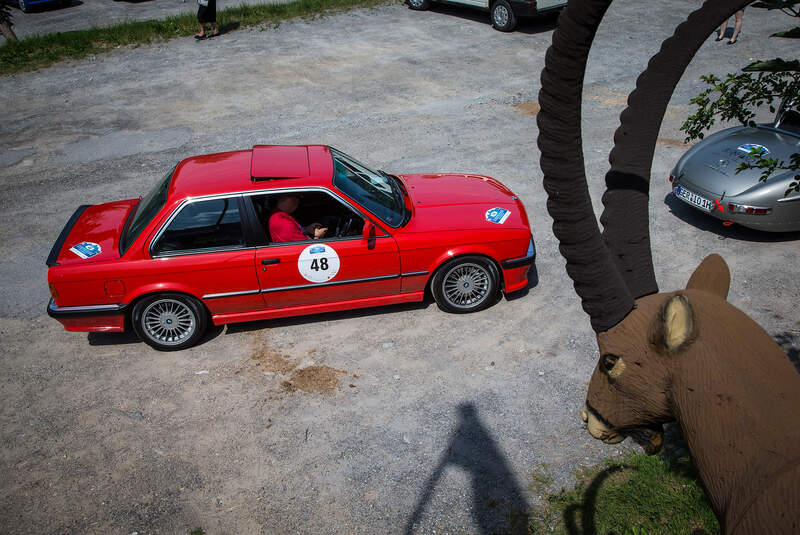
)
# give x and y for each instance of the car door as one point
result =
(204, 249)
(332, 269)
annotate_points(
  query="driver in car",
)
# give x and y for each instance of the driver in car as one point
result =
(284, 228)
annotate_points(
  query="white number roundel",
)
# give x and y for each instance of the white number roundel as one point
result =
(318, 263)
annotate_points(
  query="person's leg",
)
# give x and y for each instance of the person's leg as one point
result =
(737, 26)
(721, 32)
(215, 29)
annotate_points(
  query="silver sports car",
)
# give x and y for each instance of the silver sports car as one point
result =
(706, 178)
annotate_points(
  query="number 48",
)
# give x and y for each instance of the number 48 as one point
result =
(321, 264)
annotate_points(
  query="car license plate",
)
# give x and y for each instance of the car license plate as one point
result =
(694, 199)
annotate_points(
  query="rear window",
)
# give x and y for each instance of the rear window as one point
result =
(145, 211)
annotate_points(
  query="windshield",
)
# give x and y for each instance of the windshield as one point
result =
(145, 211)
(375, 191)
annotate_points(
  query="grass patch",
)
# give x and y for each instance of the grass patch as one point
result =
(639, 495)
(36, 52)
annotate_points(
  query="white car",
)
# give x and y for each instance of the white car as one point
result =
(504, 13)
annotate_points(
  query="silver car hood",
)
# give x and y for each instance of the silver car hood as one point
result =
(712, 163)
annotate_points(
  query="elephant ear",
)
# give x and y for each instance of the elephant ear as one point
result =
(712, 276)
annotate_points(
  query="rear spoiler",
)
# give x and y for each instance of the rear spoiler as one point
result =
(53, 256)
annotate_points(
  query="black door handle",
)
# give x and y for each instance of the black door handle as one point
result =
(270, 261)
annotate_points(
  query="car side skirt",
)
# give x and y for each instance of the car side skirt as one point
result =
(221, 319)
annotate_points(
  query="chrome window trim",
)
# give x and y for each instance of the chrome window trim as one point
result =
(231, 294)
(184, 203)
(332, 283)
(778, 129)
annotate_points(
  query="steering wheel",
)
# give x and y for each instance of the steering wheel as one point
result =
(346, 227)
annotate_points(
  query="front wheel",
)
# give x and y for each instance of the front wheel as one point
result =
(23, 6)
(419, 5)
(465, 284)
(169, 321)
(503, 17)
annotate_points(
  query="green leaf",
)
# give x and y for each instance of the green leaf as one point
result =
(794, 33)
(773, 65)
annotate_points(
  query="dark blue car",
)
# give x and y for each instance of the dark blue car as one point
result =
(26, 5)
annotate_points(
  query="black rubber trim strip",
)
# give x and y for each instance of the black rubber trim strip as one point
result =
(84, 311)
(53, 256)
(414, 274)
(322, 284)
(512, 263)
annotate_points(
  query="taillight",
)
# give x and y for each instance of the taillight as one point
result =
(751, 210)
(671, 178)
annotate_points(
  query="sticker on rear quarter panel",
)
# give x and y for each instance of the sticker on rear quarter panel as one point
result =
(86, 249)
(318, 263)
(497, 215)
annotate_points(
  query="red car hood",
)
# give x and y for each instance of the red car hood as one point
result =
(95, 235)
(459, 202)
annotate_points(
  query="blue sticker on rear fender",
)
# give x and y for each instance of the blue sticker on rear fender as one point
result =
(750, 147)
(497, 215)
(317, 249)
(86, 249)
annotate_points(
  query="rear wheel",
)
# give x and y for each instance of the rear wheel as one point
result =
(465, 284)
(169, 321)
(419, 5)
(503, 17)
(23, 6)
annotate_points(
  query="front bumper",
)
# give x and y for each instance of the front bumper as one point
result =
(515, 270)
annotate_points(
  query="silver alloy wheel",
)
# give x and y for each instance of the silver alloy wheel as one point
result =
(466, 286)
(168, 321)
(500, 15)
(416, 3)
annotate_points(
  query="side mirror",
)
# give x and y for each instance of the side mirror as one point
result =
(369, 230)
(369, 233)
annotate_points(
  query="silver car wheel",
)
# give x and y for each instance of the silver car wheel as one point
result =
(416, 3)
(168, 322)
(466, 286)
(500, 15)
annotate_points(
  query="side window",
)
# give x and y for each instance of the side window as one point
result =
(310, 209)
(203, 226)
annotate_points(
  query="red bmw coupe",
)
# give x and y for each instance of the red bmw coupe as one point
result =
(200, 246)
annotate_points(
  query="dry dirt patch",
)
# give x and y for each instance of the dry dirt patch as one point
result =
(295, 373)
(528, 108)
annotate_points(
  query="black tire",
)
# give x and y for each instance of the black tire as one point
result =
(503, 17)
(169, 321)
(465, 284)
(419, 5)
(65, 3)
(23, 6)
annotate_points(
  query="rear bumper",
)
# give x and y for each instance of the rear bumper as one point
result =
(523, 9)
(92, 318)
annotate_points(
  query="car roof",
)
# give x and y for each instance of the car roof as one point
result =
(262, 167)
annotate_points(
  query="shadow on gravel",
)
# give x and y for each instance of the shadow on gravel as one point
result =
(498, 505)
(705, 222)
(234, 328)
(530, 26)
(787, 342)
(129, 337)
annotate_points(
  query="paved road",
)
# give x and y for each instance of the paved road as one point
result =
(85, 14)
(448, 415)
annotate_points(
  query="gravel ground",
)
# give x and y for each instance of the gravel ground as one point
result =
(402, 419)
